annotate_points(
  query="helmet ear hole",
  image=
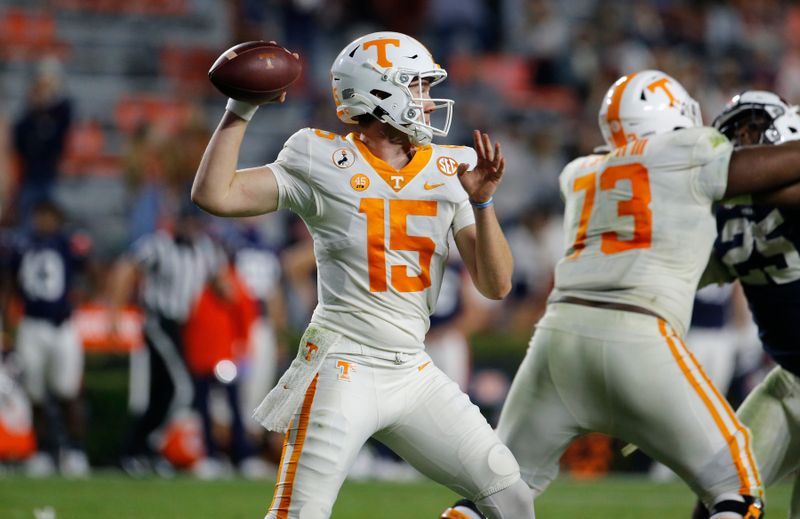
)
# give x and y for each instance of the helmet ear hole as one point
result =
(380, 94)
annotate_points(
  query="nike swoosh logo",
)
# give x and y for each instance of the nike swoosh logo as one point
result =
(423, 366)
(428, 187)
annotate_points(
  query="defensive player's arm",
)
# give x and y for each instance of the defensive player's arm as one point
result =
(221, 189)
(770, 173)
(483, 246)
(788, 196)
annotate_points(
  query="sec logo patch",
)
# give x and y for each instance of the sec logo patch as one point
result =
(359, 182)
(343, 158)
(447, 165)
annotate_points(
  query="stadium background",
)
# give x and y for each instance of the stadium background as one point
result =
(531, 73)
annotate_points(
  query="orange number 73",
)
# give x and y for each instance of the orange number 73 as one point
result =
(638, 206)
(399, 211)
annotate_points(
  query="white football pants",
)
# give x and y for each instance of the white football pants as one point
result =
(51, 358)
(411, 407)
(630, 376)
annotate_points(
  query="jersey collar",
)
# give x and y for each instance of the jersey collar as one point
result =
(397, 179)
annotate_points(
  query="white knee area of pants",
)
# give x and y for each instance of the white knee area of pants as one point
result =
(513, 502)
(308, 511)
(503, 472)
(501, 462)
(314, 511)
(719, 477)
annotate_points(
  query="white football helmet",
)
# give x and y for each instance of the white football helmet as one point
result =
(373, 74)
(646, 103)
(762, 112)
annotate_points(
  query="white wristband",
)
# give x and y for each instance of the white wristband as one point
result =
(241, 108)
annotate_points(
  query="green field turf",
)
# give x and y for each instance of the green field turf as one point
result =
(114, 496)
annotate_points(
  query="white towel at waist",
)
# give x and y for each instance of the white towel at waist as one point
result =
(278, 407)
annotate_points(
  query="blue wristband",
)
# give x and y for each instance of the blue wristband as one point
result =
(482, 205)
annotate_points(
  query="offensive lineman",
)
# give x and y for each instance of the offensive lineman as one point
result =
(758, 244)
(379, 204)
(608, 354)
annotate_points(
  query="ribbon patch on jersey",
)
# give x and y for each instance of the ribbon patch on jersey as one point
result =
(343, 158)
(283, 401)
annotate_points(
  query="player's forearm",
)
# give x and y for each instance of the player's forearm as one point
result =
(493, 261)
(784, 197)
(214, 184)
(760, 169)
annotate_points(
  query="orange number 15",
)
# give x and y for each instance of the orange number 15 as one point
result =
(399, 211)
(638, 206)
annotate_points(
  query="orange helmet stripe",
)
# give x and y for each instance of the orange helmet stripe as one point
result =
(617, 131)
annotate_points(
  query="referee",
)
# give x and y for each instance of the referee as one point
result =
(172, 268)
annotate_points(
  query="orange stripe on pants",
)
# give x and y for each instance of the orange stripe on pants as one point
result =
(297, 449)
(729, 438)
(280, 465)
(739, 426)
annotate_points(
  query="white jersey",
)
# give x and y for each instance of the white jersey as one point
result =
(380, 235)
(638, 221)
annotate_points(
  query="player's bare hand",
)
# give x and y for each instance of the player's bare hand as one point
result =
(481, 182)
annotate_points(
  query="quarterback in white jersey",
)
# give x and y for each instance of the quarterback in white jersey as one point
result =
(608, 354)
(380, 204)
(349, 199)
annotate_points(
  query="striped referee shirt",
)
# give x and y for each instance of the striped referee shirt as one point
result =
(175, 272)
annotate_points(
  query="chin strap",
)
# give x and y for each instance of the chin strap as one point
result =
(416, 136)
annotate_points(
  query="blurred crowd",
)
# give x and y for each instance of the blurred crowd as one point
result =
(529, 72)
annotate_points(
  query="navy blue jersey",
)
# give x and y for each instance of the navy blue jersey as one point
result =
(712, 307)
(449, 304)
(759, 245)
(45, 267)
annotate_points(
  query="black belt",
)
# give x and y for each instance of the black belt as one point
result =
(606, 305)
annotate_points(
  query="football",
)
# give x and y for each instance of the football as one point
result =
(255, 71)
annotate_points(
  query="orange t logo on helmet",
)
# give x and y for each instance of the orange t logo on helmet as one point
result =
(662, 84)
(380, 45)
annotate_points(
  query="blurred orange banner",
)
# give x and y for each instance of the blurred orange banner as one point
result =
(93, 323)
